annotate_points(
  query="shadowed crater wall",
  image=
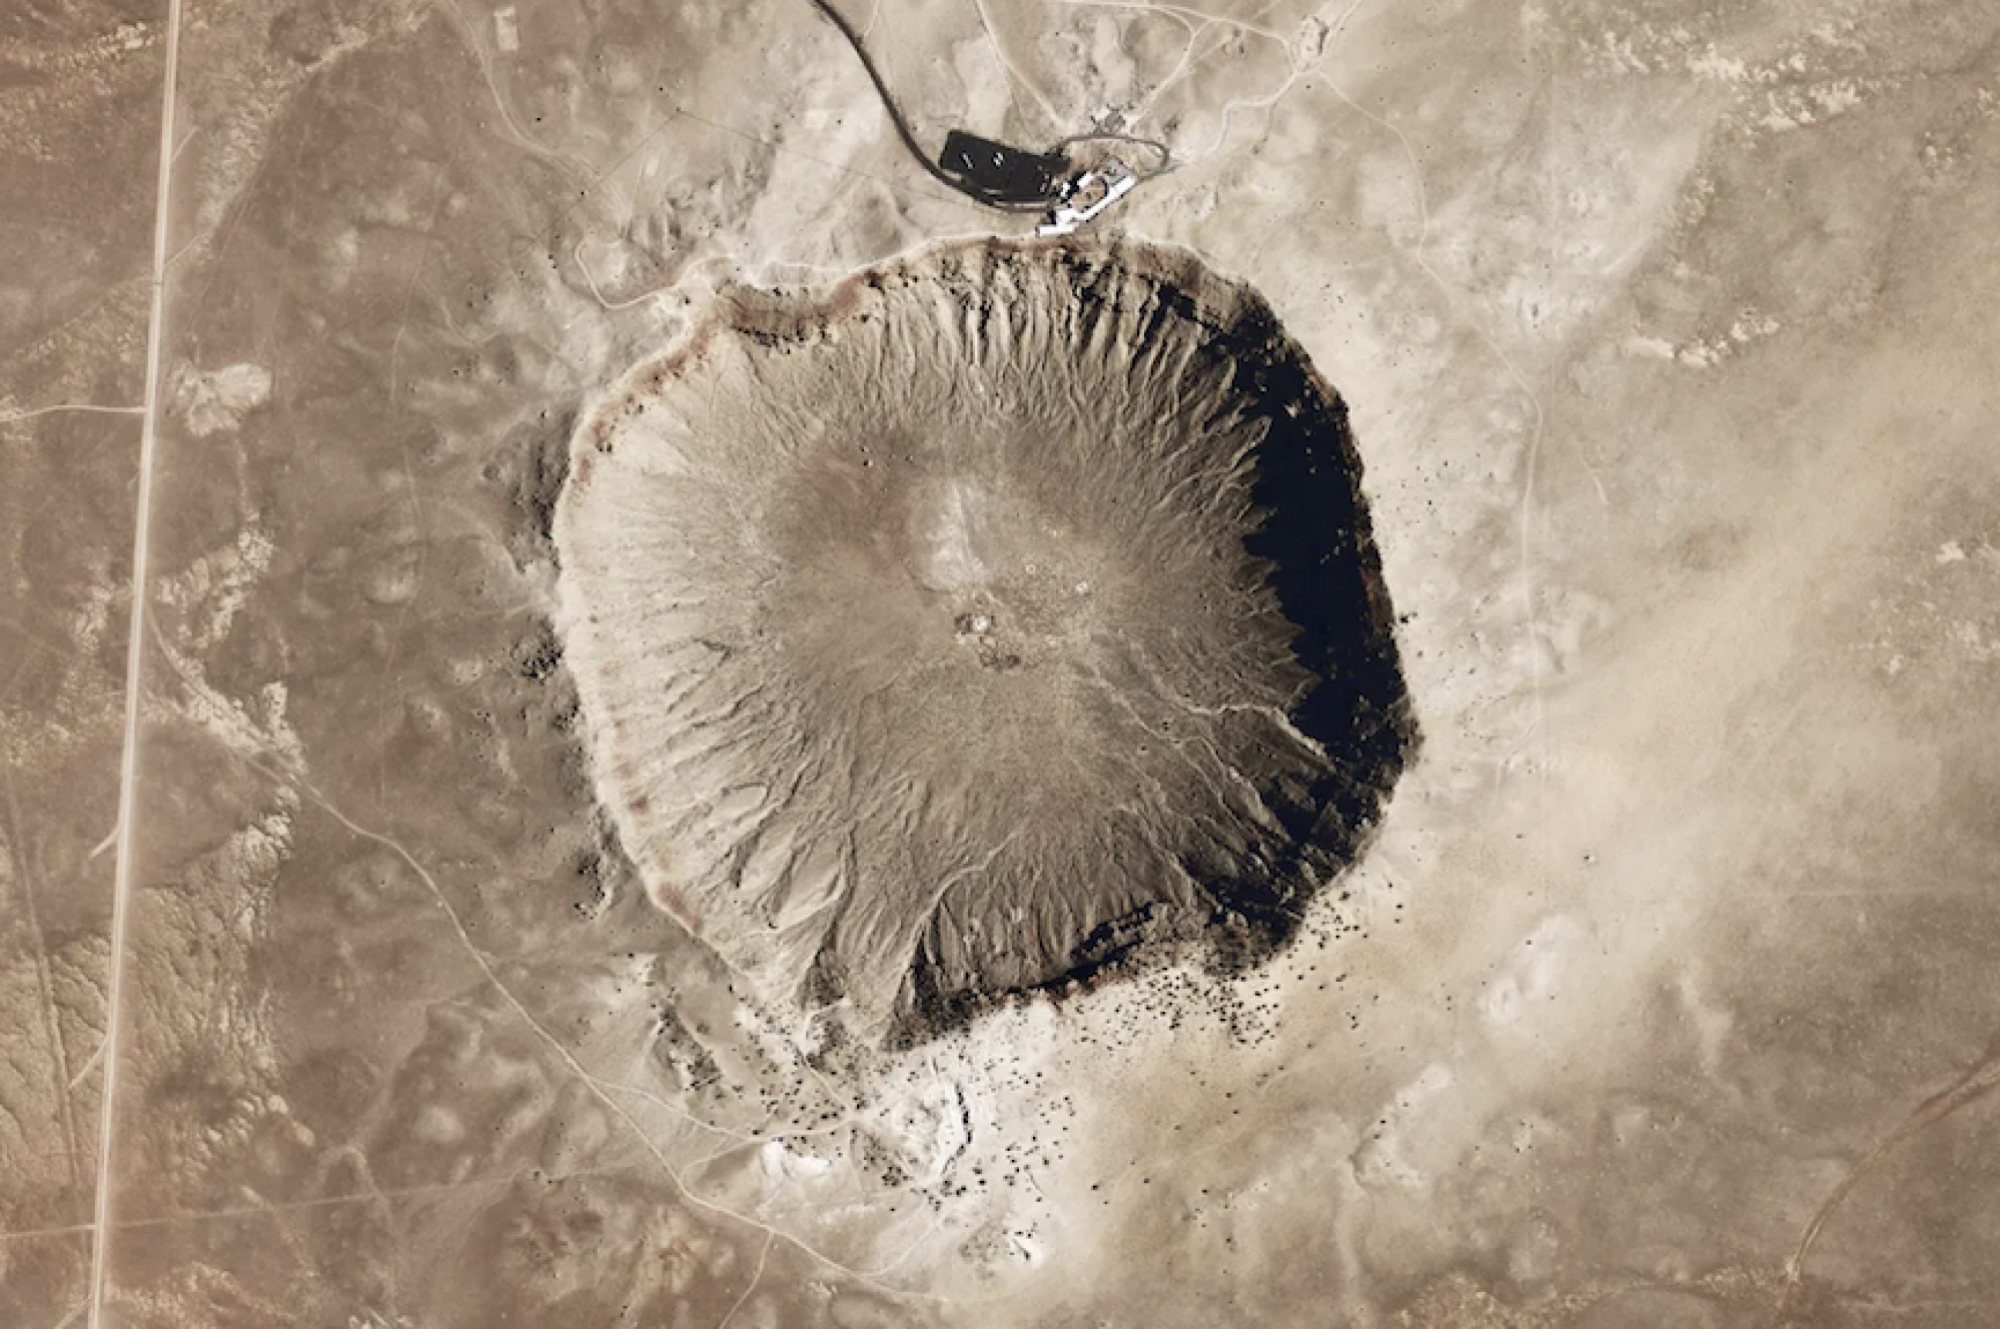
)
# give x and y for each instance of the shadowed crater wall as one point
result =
(1002, 617)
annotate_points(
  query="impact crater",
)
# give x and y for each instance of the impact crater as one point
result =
(1001, 618)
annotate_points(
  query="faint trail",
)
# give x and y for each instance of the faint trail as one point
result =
(135, 651)
(14, 355)
(224, 235)
(1194, 33)
(475, 45)
(902, 187)
(1298, 68)
(411, 487)
(1183, 12)
(81, 408)
(1532, 450)
(319, 1202)
(756, 1276)
(485, 966)
(1235, 104)
(1975, 1083)
(1007, 63)
(602, 1089)
(21, 667)
(290, 774)
(34, 638)
(895, 112)
(598, 1088)
(88, 1063)
(65, 1082)
(620, 306)
(38, 1233)
(665, 287)
(1189, 61)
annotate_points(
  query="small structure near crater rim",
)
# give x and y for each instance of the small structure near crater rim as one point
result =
(1001, 617)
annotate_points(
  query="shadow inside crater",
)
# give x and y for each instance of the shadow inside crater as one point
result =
(1312, 533)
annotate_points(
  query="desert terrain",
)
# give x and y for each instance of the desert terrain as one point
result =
(1659, 992)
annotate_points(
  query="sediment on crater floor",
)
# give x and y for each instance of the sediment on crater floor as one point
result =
(1000, 617)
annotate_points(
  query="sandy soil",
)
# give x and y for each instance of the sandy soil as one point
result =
(1664, 997)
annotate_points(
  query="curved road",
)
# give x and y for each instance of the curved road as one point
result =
(903, 129)
(937, 172)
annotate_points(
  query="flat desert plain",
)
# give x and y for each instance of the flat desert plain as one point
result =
(621, 706)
